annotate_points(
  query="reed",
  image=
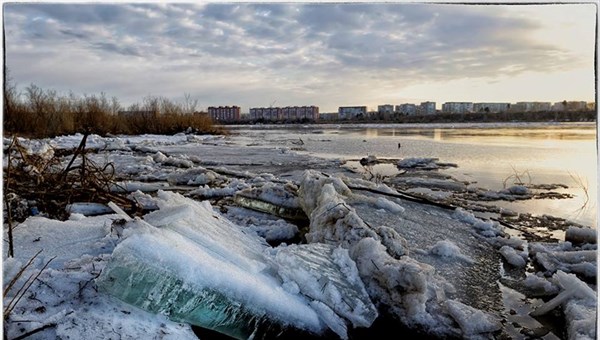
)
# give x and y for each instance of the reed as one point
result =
(40, 113)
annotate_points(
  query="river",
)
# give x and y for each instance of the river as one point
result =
(487, 154)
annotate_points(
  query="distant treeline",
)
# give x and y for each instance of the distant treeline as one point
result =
(547, 116)
(44, 113)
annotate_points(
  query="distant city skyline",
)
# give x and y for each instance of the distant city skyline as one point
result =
(297, 54)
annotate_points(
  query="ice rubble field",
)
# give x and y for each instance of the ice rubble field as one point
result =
(187, 262)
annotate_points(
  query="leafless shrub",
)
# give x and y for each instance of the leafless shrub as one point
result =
(46, 113)
(584, 186)
(517, 178)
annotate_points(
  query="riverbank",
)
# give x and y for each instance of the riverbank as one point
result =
(446, 118)
(429, 266)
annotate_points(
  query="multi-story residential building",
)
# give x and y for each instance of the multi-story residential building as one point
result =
(224, 113)
(385, 109)
(570, 106)
(576, 106)
(531, 107)
(406, 109)
(491, 107)
(457, 107)
(349, 112)
(426, 108)
(329, 116)
(289, 113)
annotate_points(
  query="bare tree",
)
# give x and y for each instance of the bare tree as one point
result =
(189, 104)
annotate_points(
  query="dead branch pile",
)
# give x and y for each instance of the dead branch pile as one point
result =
(41, 178)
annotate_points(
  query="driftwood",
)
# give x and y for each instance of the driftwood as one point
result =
(43, 180)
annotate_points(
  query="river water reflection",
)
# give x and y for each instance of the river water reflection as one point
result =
(563, 153)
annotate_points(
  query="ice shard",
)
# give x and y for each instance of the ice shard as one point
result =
(327, 274)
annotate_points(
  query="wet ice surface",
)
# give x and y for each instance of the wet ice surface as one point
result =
(475, 282)
(447, 261)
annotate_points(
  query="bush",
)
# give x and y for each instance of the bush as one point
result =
(44, 113)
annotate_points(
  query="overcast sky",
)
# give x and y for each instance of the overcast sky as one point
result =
(328, 55)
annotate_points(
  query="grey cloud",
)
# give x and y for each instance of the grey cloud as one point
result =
(111, 47)
(284, 41)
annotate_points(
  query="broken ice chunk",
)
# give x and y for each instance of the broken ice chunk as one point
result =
(577, 235)
(327, 274)
(193, 176)
(511, 256)
(572, 288)
(271, 198)
(472, 321)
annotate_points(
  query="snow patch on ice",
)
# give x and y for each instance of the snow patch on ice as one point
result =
(472, 321)
(511, 256)
(388, 205)
(484, 228)
(448, 249)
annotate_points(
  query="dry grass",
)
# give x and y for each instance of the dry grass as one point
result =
(43, 113)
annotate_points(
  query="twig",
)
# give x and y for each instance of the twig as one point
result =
(79, 149)
(11, 249)
(18, 275)
(37, 330)
(13, 303)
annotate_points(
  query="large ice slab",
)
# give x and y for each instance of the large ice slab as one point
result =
(191, 264)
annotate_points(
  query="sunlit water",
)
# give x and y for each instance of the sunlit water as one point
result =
(488, 154)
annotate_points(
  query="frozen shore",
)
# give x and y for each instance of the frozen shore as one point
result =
(258, 240)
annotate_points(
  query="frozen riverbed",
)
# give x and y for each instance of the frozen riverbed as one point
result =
(432, 268)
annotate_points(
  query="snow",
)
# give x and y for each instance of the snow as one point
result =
(448, 249)
(540, 284)
(489, 229)
(471, 320)
(64, 293)
(61, 240)
(388, 205)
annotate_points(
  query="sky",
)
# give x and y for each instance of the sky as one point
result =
(323, 54)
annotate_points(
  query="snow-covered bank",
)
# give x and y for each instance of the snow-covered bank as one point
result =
(365, 252)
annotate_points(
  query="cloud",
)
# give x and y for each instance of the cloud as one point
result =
(295, 50)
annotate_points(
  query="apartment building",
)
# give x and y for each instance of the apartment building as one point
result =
(426, 108)
(457, 107)
(491, 107)
(407, 109)
(224, 113)
(531, 107)
(350, 112)
(288, 113)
